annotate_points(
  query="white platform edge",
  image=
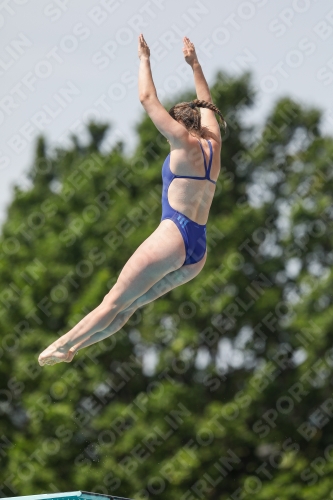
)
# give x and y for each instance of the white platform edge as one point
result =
(65, 494)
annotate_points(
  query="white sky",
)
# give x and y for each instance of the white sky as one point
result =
(90, 47)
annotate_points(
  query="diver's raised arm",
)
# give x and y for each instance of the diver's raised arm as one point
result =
(204, 99)
(146, 84)
(200, 82)
(169, 127)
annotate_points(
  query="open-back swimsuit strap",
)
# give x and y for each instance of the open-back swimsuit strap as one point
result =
(207, 169)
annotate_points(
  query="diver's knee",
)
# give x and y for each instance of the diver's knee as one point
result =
(116, 299)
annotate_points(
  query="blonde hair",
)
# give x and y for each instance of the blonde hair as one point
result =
(190, 115)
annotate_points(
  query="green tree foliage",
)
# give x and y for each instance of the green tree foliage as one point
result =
(238, 401)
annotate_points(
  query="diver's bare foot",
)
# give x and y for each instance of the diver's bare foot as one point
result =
(53, 355)
(71, 354)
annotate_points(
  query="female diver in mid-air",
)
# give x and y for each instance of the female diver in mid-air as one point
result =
(176, 251)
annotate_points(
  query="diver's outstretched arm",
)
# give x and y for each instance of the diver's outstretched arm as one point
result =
(201, 85)
(208, 118)
(170, 128)
(146, 84)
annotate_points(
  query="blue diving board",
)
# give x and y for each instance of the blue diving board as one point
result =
(70, 495)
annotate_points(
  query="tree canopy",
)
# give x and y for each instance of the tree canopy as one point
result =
(221, 389)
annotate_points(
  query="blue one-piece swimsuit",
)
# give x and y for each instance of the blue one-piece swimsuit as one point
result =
(194, 234)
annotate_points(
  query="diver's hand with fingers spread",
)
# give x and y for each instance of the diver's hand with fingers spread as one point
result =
(143, 49)
(189, 51)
